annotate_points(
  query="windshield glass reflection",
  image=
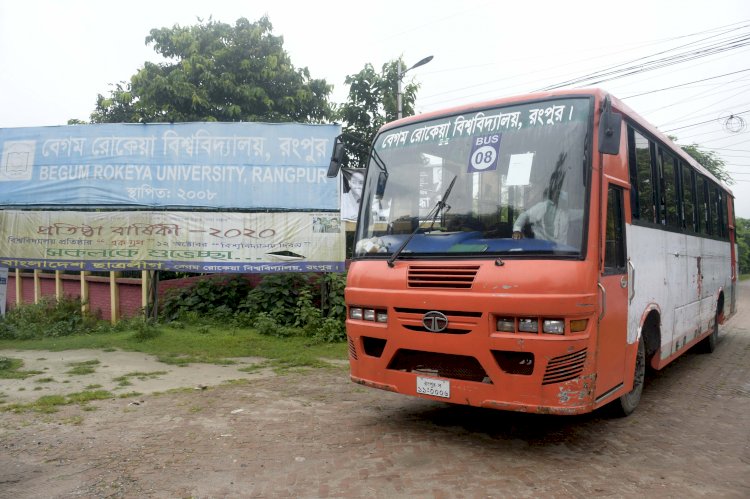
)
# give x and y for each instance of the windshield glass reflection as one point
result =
(519, 176)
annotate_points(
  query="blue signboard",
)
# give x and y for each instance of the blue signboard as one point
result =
(203, 165)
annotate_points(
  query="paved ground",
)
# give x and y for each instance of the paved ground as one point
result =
(315, 434)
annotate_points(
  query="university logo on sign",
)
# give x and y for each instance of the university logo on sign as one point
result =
(18, 160)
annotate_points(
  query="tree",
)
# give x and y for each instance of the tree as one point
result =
(710, 161)
(742, 237)
(371, 104)
(217, 72)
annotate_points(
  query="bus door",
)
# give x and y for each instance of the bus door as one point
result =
(613, 296)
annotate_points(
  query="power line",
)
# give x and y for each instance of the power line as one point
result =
(685, 84)
(702, 122)
(642, 64)
(693, 97)
(724, 27)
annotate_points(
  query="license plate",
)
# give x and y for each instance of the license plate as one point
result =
(434, 387)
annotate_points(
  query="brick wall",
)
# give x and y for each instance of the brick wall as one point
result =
(99, 294)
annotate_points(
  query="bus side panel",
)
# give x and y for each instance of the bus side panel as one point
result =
(650, 281)
(684, 285)
(715, 278)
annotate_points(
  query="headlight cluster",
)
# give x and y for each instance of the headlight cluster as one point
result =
(368, 314)
(532, 325)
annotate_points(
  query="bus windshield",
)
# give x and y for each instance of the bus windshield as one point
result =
(496, 181)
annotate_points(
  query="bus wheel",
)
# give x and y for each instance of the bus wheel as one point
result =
(708, 344)
(626, 404)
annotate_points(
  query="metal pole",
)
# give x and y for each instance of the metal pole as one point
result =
(401, 74)
(398, 92)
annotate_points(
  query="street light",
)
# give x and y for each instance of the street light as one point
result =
(401, 76)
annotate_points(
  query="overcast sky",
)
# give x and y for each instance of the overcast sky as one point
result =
(58, 55)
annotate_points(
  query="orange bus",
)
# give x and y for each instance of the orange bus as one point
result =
(535, 253)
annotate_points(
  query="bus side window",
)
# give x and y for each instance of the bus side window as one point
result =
(715, 201)
(614, 248)
(641, 176)
(688, 198)
(670, 201)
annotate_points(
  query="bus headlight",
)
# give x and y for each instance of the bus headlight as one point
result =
(528, 325)
(506, 325)
(368, 314)
(554, 326)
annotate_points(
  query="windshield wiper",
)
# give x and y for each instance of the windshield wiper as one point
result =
(442, 205)
(432, 215)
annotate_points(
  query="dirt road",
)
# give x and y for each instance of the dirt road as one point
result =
(315, 434)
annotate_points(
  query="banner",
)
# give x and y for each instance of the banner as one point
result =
(180, 165)
(180, 241)
(352, 182)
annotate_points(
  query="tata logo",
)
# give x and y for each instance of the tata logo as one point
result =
(434, 321)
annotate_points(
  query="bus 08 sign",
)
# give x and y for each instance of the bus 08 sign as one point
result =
(434, 387)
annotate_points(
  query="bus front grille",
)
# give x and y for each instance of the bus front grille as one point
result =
(564, 367)
(459, 322)
(441, 276)
(443, 365)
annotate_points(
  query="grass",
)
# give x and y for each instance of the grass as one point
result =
(82, 368)
(124, 380)
(10, 369)
(50, 403)
(193, 345)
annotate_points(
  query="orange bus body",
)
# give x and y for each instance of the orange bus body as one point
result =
(592, 364)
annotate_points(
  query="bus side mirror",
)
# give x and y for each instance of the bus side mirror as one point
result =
(336, 158)
(380, 189)
(610, 125)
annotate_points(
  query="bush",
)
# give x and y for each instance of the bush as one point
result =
(335, 306)
(280, 305)
(330, 330)
(47, 319)
(267, 325)
(276, 296)
(209, 298)
(144, 329)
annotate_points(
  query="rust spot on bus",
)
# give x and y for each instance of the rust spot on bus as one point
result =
(577, 390)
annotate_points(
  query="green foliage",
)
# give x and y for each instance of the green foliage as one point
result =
(188, 345)
(82, 368)
(144, 329)
(335, 305)
(50, 403)
(11, 369)
(276, 296)
(217, 297)
(282, 305)
(710, 161)
(371, 103)
(217, 72)
(266, 325)
(742, 236)
(48, 318)
(330, 330)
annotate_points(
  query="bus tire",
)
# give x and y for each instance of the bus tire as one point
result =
(626, 404)
(708, 344)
